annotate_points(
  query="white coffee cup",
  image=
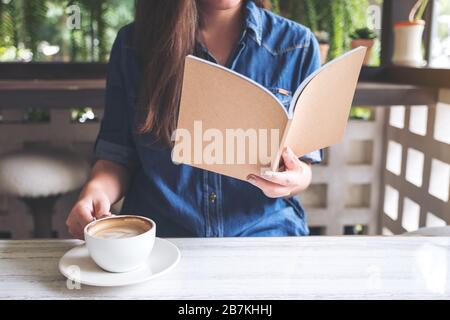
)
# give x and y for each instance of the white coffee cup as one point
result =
(120, 243)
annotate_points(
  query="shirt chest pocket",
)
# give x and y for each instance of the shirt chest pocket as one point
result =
(283, 95)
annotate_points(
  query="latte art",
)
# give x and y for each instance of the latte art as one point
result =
(120, 243)
(117, 233)
(119, 228)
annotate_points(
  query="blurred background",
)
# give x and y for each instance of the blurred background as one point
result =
(391, 175)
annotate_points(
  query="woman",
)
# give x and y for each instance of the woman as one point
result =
(142, 96)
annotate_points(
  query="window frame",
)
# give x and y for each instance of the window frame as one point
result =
(386, 73)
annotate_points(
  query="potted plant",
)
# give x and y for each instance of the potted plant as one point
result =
(337, 17)
(408, 38)
(324, 44)
(364, 37)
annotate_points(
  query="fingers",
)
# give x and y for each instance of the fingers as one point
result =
(101, 208)
(78, 231)
(84, 214)
(75, 228)
(270, 189)
(290, 160)
(280, 184)
(79, 217)
(285, 178)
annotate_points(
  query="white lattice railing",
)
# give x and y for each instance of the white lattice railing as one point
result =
(344, 195)
(391, 173)
(344, 192)
(417, 167)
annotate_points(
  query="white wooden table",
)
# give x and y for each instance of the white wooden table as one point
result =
(252, 268)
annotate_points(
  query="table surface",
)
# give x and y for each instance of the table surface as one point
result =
(251, 268)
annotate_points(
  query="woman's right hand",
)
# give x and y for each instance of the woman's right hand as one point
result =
(92, 204)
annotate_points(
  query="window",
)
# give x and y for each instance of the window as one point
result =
(440, 46)
(60, 31)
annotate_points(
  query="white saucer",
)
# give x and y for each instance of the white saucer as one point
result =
(77, 266)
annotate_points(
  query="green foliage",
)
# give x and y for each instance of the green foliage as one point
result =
(33, 18)
(8, 17)
(9, 20)
(421, 7)
(443, 31)
(311, 15)
(26, 24)
(89, 42)
(363, 33)
(339, 18)
(337, 32)
(362, 113)
(99, 16)
(37, 115)
(21, 21)
(82, 115)
(275, 6)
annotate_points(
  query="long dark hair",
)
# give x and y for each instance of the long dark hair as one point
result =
(165, 33)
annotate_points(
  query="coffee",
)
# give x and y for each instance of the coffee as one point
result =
(120, 243)
(119, 228)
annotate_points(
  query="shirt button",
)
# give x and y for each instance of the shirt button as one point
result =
(212, 197)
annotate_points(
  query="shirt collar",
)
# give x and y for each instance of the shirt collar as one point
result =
(253, 19)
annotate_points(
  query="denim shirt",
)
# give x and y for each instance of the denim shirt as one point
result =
(189, 202)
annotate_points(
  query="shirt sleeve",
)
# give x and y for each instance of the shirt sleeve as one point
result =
(310, 63)
(114, 141)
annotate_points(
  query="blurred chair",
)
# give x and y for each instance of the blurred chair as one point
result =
(39, 177)
(430, 232)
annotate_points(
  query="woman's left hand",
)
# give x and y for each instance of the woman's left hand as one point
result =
(295, 178)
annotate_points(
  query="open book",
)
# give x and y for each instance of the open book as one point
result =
(231, 125)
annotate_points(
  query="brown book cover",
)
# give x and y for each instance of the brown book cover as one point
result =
(231, 125)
